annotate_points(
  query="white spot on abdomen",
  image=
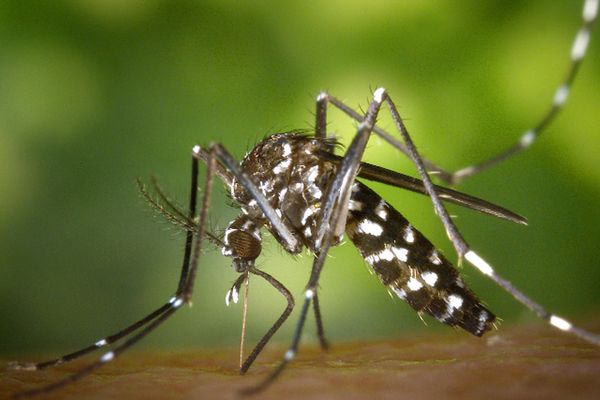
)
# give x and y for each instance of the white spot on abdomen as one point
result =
(414, 284)
(434, 257)
(369, 227)
(455, 301)
(355, 205)
(409, 235)
(401, 253)
(381, 210)
(430, 278)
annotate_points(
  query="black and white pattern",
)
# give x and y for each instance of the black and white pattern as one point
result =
(307, 197)
(292, 176)
(410, 266)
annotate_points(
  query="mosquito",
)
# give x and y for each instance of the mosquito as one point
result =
(295, 186)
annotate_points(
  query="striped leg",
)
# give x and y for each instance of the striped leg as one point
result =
(154, 319)
(561, 95)
(27, 366)
(578, 50)
(332, 224)
(463, 249)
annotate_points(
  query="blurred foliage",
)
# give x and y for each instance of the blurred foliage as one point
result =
(96, 93)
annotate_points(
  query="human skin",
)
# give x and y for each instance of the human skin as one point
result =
(519, 362)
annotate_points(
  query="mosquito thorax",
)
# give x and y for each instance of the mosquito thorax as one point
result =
(292, 176)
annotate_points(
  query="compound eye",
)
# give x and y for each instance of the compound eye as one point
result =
(244, 245)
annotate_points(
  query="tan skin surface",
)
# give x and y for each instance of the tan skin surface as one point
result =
(514, 363)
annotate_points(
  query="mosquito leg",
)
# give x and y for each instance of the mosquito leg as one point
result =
(454, 235)
(291, 242)
(149, 323)
(379, 174)
(189, 235)
(220, 170)
(188, 284)
(124, 332)
(463, 249)
(290, 354)
(321, 116)
(332, 225)
(321, 132)
(324, 97)
(456, 238)
(320, 331)
(284, 316)
(332, 220)
(578, 50)
(321, 120)
(27, 366)
(106, 357)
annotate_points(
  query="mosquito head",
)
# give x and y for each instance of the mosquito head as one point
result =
(245, 249)
(242, 242)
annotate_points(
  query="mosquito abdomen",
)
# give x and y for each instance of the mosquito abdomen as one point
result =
(410, 266)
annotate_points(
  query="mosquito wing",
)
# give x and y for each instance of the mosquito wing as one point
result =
(393, 178)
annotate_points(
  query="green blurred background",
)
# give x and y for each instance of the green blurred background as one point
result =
(96, 93)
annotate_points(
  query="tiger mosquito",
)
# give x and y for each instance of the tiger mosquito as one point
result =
(306, 196)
